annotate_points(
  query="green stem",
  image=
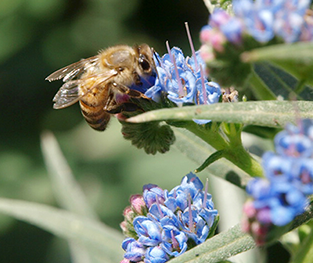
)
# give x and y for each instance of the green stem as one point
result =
(232, 150)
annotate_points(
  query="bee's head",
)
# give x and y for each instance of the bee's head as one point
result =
(145, 59)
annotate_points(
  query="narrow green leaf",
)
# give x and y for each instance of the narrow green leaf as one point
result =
(211, 159)
(66, 189)
(67, 192)
(280, 82)
(262, 113)
(296, 58)
(95, 236)
(197, 150)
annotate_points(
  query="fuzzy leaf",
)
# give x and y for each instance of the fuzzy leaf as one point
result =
(218, 248)
(262, 113)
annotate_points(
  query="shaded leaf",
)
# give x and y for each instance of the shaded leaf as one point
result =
(280, 82)
(295, 58)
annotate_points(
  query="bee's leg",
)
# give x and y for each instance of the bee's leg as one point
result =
(122, 89)
(118, 99)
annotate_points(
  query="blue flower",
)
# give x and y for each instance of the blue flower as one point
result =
(233, 30)
(279, 198)
(156, 255)
(264, 20)
(293, 144)
(195, 226)
(276, 167)
(177, 198)
(276, 203)
(149, 232)
(303, 175)
(152, 193)
(182, 79)
(174, 241)
(186, 213)
(135, 251)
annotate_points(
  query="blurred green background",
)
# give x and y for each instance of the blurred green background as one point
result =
(38, 37)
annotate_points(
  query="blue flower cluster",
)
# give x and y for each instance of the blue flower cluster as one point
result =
(263, 20)
(176, 220)
(289, 172)
(183, 80)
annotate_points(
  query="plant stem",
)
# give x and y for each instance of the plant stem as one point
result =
(232, 150)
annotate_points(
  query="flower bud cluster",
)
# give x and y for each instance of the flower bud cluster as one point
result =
(279, 198)
(163, 224)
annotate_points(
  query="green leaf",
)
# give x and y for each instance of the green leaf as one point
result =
(296, 58)
(305, 252)
(211, 159)
(262, 113)
(280, 82)
(197, 150)
(66, 189)
(67, 192)
(104, 242)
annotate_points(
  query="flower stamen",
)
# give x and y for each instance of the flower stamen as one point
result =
(191, 46)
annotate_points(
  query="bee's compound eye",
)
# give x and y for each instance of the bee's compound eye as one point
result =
(144, 63)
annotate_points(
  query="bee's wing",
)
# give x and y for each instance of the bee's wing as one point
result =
(67, 95)
(71, 71)
(70, 91)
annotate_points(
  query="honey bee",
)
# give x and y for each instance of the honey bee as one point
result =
(103, 83)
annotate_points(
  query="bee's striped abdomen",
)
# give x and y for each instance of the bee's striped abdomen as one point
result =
(96, 116)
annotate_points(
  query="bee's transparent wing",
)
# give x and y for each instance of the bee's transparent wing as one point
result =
(67, 95)
(71, 71)
(70, 92)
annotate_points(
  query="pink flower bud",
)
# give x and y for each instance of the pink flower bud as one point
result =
(138, 205)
